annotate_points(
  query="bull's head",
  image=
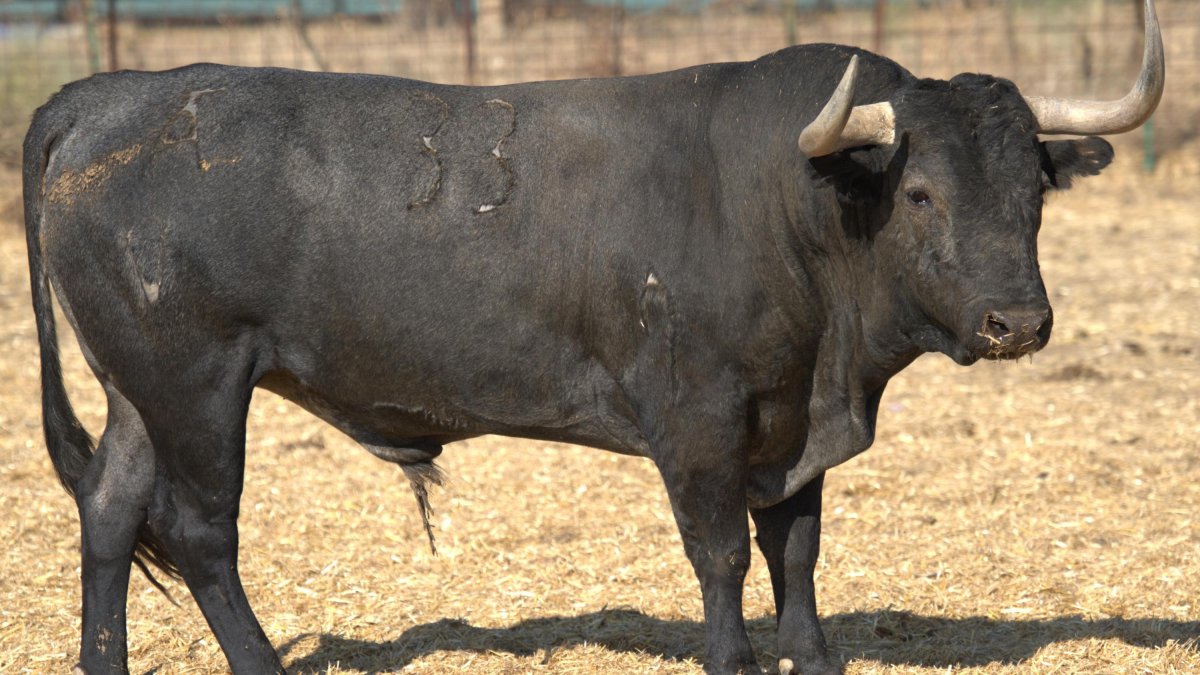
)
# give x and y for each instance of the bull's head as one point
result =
(965, 184)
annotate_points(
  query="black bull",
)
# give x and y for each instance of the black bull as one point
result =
(648, 265)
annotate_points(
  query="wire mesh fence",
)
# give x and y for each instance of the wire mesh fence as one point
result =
(1063, 47)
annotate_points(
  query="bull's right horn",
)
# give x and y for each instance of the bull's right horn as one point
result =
(1068, 116)
(841, 125)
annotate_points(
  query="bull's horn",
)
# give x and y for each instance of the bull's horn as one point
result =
(1067, 116)
(842, 125)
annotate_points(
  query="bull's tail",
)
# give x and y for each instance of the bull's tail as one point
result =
(70, 445)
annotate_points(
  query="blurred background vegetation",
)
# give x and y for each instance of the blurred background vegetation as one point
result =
(1062, 47)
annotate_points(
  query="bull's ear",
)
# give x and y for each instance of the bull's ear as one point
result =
(1063, 161)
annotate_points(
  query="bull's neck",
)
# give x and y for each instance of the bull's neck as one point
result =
(821, 278)
(817, 272)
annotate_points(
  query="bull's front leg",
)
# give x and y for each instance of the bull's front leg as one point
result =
(688, 405)
(707, 488)
(789, 536)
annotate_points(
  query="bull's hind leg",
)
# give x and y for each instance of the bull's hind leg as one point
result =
(112, 495)
(199, 442)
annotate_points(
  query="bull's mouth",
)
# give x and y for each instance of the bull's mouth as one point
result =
(1005, 347)
(996, 338)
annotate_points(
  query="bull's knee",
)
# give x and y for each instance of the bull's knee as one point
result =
(729, 563)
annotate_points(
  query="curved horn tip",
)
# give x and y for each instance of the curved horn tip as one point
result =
(849, 78)
(852, 66)
(1066, 116)
(821, 135)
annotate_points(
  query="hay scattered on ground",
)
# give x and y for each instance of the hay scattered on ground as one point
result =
(1011, 518)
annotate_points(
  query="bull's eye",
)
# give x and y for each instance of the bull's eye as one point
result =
(920, 197)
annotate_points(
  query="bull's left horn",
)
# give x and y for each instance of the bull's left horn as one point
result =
(1067, 116)
(842, 125)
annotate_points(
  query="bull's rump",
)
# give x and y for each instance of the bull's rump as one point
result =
(446, 258)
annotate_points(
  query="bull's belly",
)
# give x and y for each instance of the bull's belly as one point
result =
(391, 410)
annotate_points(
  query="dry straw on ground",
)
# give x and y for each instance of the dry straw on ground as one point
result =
(1033, 517)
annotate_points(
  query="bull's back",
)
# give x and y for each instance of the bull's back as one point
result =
(249, 166)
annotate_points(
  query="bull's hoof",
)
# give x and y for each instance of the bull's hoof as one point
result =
(78, 670)
(822, 666)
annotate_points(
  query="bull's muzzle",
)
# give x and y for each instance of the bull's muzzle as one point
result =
(1013, 333)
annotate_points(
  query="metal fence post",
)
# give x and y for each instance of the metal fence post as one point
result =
(880, 15)
(789, 21)
(112, 35)
(467, 16)
(1149, 157)
(618, 20)
(91, 34)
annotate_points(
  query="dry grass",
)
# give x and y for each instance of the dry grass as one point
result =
(1011, 518)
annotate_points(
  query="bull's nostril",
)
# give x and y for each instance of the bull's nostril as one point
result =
(994, 325)
(1016, 332)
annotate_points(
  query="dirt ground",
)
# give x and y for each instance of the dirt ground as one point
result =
(1038, 517)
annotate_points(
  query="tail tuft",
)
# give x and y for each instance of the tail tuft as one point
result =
(420, 476)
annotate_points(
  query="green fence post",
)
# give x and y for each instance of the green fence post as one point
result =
(789, 21)
(92, 33)
(1149, 158)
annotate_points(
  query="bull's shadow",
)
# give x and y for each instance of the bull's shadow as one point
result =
(889, 637)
